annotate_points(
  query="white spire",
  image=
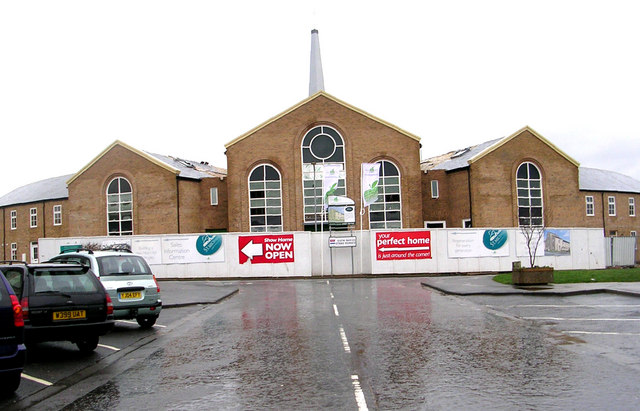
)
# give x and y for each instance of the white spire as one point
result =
(316, 80)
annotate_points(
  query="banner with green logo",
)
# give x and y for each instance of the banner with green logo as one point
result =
(370, 176)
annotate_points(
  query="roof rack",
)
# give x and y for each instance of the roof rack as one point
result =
(75, 250)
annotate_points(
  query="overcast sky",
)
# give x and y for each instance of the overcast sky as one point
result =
(183, 78)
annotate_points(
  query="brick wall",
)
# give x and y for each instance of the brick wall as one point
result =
(154, 194)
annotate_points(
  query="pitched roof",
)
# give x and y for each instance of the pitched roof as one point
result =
(516, 134)
(56, 187)
(311, 98)
(592, 179)
(181, 168)
(457, 159)
(50, 189)
(196, 170)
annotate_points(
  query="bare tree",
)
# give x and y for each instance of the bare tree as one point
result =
(533, 235)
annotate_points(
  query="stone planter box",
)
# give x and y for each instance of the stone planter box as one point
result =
(532, 276)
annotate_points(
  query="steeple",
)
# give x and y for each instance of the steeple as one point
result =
(316, 80)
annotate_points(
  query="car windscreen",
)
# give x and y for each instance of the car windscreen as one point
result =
(64, 282)
(122, 265)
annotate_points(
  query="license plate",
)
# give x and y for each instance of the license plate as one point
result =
(130, 295)
(69, 315)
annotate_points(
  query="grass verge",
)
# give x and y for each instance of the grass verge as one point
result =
(611, 275)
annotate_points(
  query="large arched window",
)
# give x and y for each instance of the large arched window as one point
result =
(119, 207)
(529, 185)
(321, 146)
(386, 212)
(265, 199)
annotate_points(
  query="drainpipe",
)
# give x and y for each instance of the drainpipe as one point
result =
(44, 221)
(469, 189)
(604, 221)
(178, 202)
(4, 235)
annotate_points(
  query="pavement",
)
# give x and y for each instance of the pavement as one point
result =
(180, 293)
(484, 285)
(188, 292)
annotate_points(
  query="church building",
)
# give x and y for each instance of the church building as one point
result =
(274, 183)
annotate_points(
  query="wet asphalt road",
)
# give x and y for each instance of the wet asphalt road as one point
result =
(362, 344)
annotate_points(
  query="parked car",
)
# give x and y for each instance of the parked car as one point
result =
(12, 349)
(60, 302)
(128, 280)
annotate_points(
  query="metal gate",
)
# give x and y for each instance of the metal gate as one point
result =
(620, 251)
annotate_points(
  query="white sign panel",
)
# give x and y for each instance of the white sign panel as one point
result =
(149, 248)
(338, 242)
(192, 249)
(477, 243)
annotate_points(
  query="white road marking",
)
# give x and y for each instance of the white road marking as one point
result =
(357, 390)
(136, 323)
(581, 319)
(332, 297)
(110, 347)
(345, 342)
(38, 380)
(599, 333)
(335, 310)
(573, 306)
(127, 322)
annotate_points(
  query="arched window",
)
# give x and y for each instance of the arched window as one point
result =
(386, 212)
(119, 207)
(265, 199)
(529, 185)
(321, 146)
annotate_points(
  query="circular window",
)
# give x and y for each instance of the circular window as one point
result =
(322, 146)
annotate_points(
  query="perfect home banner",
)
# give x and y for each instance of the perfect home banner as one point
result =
(477, 243)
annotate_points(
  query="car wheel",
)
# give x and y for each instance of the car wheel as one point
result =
(88, 344)
(146, 322)
(10, 383)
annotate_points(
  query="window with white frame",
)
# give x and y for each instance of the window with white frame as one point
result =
(33, 217)
(321, 146)
(633, 234)
(612, 206)
(14, 251)
(265, 199)
(466, 223)
(119, 207)
(435, 193)
(57, 215)
(632, 207)
(386, 212)
(213, 194)
(529, 186)
(590, 207)
(14, 219)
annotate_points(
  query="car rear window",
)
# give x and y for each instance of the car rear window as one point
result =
(122, 265)
(64, 281)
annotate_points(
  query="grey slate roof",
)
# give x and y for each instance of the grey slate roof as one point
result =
(456, 159)
(56, 187)
(49, 189)
(191, 169)
(592, 179)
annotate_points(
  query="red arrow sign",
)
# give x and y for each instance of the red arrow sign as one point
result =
(261, 249)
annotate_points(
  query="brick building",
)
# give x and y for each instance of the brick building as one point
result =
(275, 176)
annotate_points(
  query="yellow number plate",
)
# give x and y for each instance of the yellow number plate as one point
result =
(130, 295)
(69, 315)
